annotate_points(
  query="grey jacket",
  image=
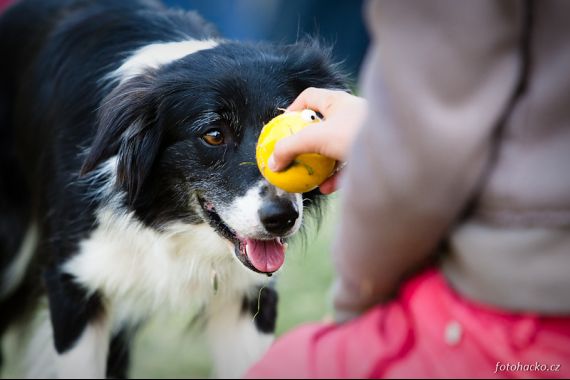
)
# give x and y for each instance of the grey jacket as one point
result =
(465, 154)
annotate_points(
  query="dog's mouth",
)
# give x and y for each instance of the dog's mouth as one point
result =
(260, 255)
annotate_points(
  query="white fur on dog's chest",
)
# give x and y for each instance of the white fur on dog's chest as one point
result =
(139, 270)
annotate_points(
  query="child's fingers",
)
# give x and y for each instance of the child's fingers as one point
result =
(330, 185)
(317, 99)
(309, 140)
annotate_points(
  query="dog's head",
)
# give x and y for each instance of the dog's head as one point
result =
(185, 133)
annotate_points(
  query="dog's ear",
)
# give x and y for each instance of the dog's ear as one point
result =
(129, 130)
(310, 64)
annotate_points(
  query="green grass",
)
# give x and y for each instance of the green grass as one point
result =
(167, 348)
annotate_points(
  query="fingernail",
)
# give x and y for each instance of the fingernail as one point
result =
(272, 164)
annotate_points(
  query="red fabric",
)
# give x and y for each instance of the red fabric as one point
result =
(407, 338)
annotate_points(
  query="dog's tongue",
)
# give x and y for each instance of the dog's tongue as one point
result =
(265, 255)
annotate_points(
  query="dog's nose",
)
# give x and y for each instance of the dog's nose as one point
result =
(278, 216)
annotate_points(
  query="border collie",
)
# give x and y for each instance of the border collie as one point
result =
(127, 133)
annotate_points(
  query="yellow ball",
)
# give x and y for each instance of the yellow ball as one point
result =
(308, 170)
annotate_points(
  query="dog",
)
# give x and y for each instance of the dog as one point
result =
(127, 178)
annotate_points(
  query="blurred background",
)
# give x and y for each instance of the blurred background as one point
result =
(338, 23)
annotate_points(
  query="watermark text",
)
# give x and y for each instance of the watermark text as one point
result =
(526, 367)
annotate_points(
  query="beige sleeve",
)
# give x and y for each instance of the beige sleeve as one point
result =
(439, 78)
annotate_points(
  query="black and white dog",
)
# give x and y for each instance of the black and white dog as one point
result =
(127, 133)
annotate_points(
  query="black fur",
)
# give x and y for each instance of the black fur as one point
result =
(263, 309)
(119, 355)
(61, 118)
(70, 308)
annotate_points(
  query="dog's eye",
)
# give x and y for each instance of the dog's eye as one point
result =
(213, 137)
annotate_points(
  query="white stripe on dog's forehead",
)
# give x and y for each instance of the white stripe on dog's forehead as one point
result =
(158, 54)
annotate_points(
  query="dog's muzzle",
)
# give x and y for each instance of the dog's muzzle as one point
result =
(258, 224)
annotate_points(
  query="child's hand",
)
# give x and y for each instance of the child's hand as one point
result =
(343, 115)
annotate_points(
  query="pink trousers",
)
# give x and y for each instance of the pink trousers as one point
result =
(428, 331)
